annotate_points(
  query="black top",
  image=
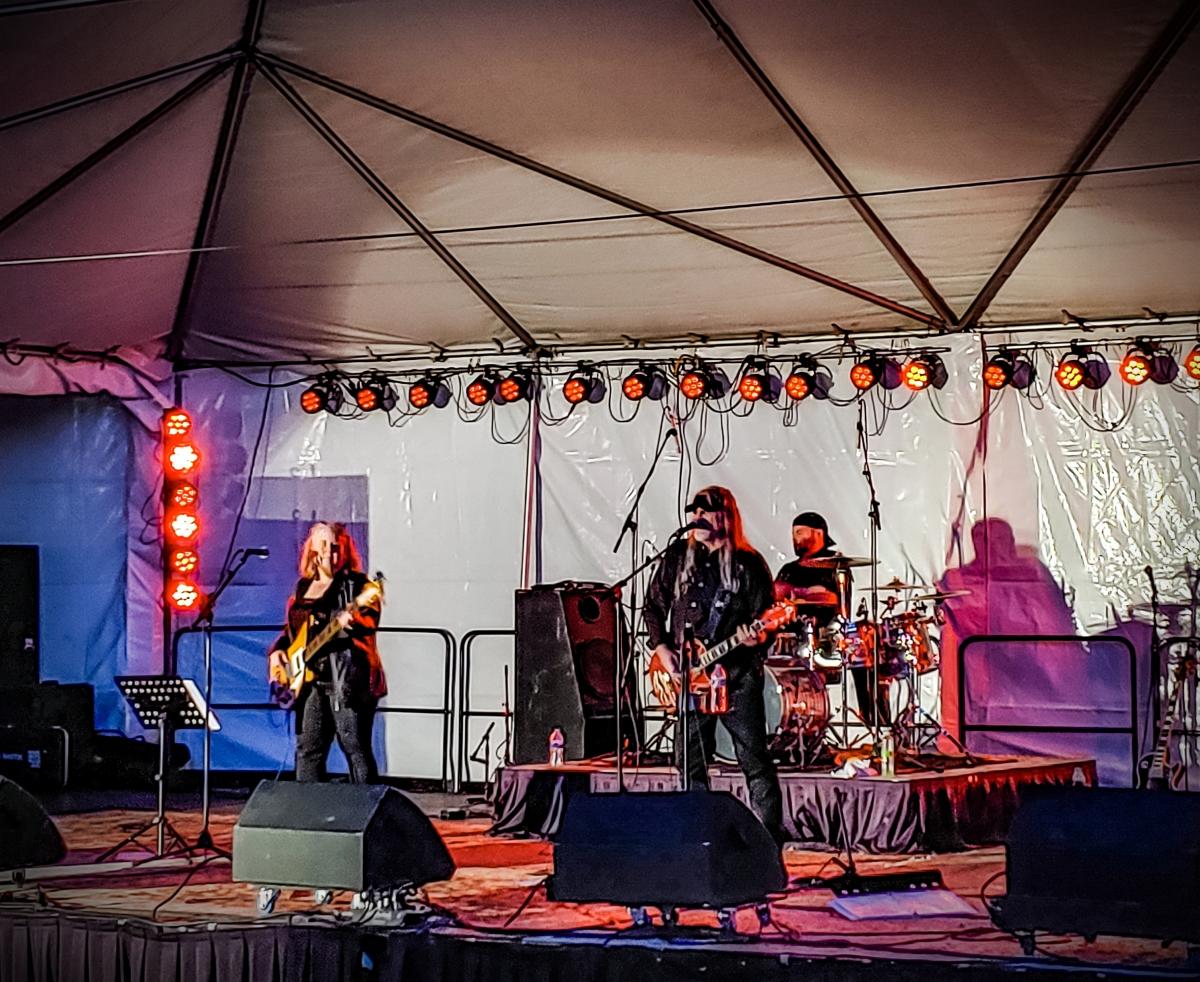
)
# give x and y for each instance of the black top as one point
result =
(795, 574)
(713, 612)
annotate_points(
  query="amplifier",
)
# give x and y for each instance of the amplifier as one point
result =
(36, 757)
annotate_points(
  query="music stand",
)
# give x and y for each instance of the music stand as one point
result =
(160, 702)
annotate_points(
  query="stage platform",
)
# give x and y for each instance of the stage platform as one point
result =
(192, 924)
(936, 804)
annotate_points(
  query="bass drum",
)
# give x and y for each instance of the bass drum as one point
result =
(797, 706)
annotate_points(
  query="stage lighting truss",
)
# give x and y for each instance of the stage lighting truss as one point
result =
(759, 382)
(645, 382)
(585, 384)
(808, 377)
(325, 394)
(1011, 368)
(374, 391)
(516, 387)
(431, 390)
(181, 524)
(704, 381)
(924, 371)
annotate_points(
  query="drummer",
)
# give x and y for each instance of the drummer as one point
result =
(816, 587)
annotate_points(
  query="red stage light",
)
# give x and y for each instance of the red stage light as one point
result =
(863, 375)
(1191, 364)
(1069, 373)
(634, 386)
(996, 375)
(516, 387)
(367, 399)
(182, 458)
(750, 388)
(796, 386)
(575, 391)
(480, 392)
(916, 375)
(176, 422)
(184, 561)
(693, 385)
(1135, 368)
(184, 495)
(183, 595)
(312, 401)
(183, 525)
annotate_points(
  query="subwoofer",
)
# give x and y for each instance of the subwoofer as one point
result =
(336, 837)
(673, 849)
(19, 632)
(567, 644)
(27, 835)
(1095, 861)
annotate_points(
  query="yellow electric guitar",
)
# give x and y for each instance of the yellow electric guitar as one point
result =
(666, 685)
(303, 650)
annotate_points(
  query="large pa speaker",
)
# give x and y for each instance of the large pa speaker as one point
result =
(19, 663)
(565, 661)
(1103, 861)
(677, 849)
(336, 837)
(27, 835)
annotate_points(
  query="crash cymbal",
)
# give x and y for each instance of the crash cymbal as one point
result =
(895, 584)
(837, 561)
(939, 597)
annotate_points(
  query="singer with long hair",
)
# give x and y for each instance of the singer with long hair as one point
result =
(348, 676)
(710, 586)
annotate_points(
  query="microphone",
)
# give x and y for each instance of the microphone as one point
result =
(262, 552)
(698, 523)
(673, 432)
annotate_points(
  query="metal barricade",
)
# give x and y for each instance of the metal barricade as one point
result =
(464, 712)
(1072, 639)
(446, 710)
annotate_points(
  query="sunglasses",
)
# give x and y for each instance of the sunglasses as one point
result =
(704, 502)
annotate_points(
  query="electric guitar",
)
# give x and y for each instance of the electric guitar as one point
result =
(1152, 769)
(667, 685)
(303, 650)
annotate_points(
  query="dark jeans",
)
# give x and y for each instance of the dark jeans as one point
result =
(746, 722)
(320, 723)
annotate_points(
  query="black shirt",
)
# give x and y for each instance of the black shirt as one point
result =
(713, 611)
(795, 574)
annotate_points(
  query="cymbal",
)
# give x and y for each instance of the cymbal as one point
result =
(837, 561)
(945, 595)
(895, 584)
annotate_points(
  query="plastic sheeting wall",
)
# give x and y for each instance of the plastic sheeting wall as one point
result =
(64, 484)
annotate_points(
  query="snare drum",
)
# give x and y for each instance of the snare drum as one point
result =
(797, 711)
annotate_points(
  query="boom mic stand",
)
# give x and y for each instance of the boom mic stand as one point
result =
(876, 526)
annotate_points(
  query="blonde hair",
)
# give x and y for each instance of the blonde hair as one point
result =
(347, 552)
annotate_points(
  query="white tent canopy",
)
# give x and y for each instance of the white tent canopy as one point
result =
(320, 179)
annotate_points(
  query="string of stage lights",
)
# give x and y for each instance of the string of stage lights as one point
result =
(782, 383)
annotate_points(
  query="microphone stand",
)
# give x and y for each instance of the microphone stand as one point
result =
(876, 526)
(624, 646)
(1155, 652)
(204, 840)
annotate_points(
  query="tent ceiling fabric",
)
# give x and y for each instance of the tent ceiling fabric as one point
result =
(622, 106)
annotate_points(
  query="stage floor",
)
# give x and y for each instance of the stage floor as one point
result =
(496, 875)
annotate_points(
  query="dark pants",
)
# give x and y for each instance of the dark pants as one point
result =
(746, 722)
(874, 711)
(320, 723)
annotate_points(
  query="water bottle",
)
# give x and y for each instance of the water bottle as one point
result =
(557, 741)
(887, 756)
(718, 692)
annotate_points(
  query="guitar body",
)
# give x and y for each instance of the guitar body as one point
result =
(666, 685)
(299, 674)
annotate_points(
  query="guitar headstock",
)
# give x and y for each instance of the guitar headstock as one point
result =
(372, 591)
(777, 615)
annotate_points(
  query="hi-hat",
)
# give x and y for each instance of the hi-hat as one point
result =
(943, 595)
(837, 561)
(895, 584)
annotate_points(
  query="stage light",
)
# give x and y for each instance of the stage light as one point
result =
(1069, 372)
(176, 422)
(925, 371)
(1096, 370)
(184, 560)
(182, 458)
(429, 391)
(890, 374)
(483, 389)
(758, 383)
(808, 378)
(1191, 364)
(998, 372)
(374, 391)
(585, 384)
(1135, 366)
(704, 382)
(517, 386)
(324, 395)
(1164, 369)
(183, 594)
(183, 495)
(645, 382)
(864, 374)
(184, 526)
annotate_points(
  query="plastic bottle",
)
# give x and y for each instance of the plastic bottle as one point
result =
(887, 756)
(718, 694)
(557, 742)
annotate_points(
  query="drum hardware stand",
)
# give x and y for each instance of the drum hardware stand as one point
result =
(876, 526)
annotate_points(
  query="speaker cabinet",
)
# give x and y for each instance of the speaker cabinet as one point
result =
(567, 644)
(1095, 861)
(336, 837)
(27, 835)
(19, 625)
(679, 849)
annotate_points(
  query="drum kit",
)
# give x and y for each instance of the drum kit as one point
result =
(813, 654)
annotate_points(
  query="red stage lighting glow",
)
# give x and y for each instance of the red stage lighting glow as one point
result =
(183, 595)
(367, 399)
(182, 458)
(1135, 368)
(916, 375)
(184, 495)
(863, 376)
(750, 388)
(1069, 373)
(312, 401)
(176, 422)
(184, 561)
(1191, 364)
(575, 391)
(996, 375)
(479, 393)
(184, 525)
(510, 390)
(693, 385)
(634, 386)
(796, 386)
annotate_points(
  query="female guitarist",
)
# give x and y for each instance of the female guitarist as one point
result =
(711, 586)
(347, 677)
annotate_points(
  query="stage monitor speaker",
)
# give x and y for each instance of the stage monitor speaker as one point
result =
(336, 837)
(27, 835)
(565, 664)
(19, 663)
(1095, 861)
(677, 849)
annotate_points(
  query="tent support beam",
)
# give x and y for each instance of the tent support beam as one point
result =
(385, 194)
(130, 132)
(1156, 58)
(117, 88)
(818, 152)
(637, 207)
